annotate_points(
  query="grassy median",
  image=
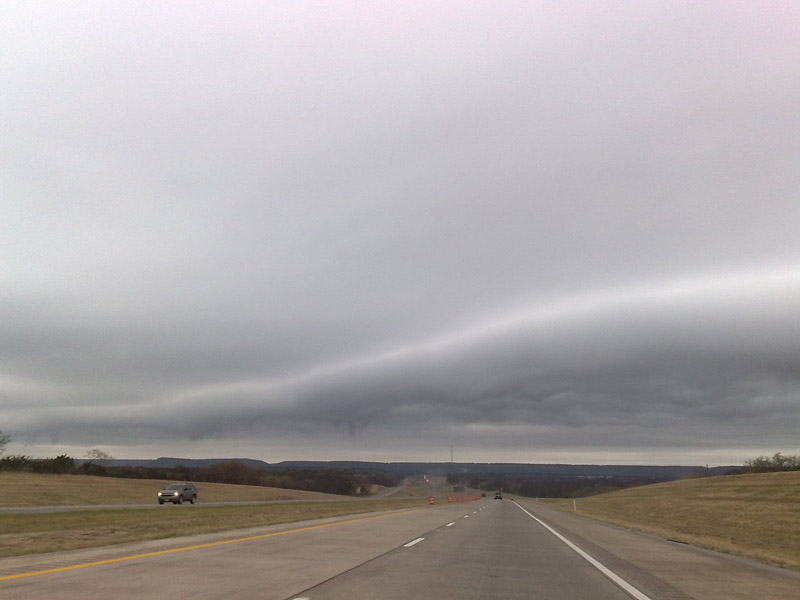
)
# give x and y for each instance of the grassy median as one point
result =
(756, 516)
(40, 489)
(69, 530)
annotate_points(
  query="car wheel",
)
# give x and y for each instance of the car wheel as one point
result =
(160, 501)
(192, 499)
(180, 499)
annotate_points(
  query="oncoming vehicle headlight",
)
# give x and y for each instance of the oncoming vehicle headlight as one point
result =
(176, 494)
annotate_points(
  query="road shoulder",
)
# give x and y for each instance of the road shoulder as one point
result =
(649, 562)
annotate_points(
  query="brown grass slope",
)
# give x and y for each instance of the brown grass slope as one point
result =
(756, 515)
(32, 489)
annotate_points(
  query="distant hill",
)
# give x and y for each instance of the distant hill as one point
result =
(169, 463)
(406, 469)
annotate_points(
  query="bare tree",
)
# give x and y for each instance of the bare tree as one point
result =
(4, 440)
(96, 455)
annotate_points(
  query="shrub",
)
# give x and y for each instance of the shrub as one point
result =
(777, 462)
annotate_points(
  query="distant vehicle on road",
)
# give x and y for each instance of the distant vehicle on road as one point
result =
(177, 493)
(498, 496)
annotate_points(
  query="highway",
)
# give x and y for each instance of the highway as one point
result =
(483, 549)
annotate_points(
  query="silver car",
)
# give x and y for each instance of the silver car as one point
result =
(177, 493)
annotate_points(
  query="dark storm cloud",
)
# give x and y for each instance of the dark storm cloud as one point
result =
(662, 367)
(527, 230)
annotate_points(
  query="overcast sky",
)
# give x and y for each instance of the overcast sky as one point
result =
(534, 231)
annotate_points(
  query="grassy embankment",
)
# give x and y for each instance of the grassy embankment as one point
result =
(756, 516)
(46, 532)
(31, 489)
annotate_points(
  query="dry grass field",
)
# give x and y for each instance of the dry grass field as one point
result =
(756, 516)
(31, 489)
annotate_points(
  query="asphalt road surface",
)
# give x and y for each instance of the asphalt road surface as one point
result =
(485, 549)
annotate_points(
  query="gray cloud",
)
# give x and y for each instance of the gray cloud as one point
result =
(536, 232)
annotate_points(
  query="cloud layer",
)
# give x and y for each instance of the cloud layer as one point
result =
(532, 232)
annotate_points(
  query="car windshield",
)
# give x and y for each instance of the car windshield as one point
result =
(174, 486)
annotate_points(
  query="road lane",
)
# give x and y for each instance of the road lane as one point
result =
(292, 558)
(496, 552)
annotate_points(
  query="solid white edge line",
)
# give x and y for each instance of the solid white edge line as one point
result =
(412, 542)
(596, 564)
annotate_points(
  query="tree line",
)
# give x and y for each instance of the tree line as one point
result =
(549, 486)
(771, 464)
(561, 486)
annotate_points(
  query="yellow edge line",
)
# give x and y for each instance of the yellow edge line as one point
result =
(209, 545)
